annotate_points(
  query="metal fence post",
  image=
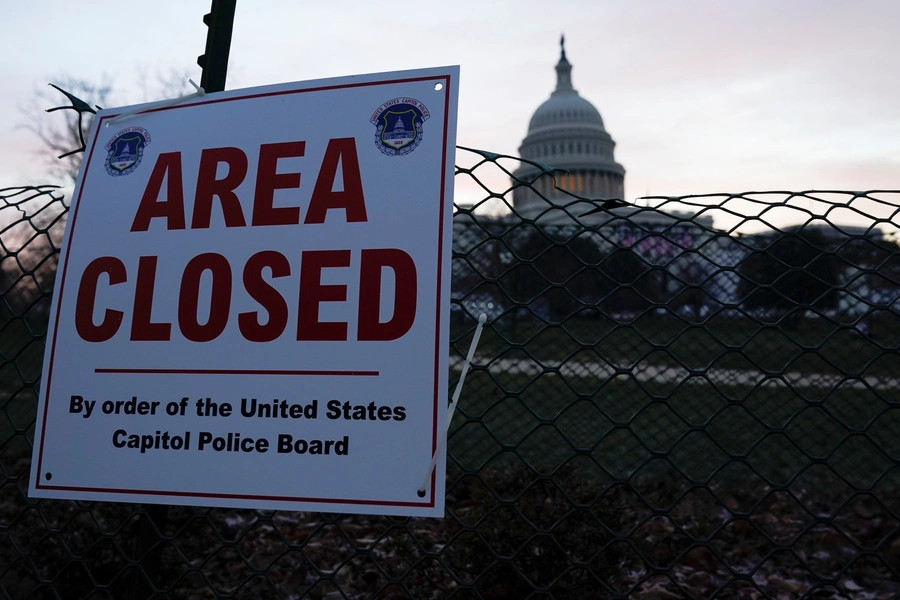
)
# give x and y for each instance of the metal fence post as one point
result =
(214, 62)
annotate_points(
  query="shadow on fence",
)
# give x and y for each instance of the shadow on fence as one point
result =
(682, 399)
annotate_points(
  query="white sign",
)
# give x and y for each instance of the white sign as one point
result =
(252, 302)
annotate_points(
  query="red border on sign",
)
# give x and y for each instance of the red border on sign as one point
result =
(45, 389)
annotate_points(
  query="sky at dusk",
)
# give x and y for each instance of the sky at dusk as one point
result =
(699, 95)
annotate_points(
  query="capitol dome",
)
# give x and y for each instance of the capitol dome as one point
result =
(564, 109)
(566, 132)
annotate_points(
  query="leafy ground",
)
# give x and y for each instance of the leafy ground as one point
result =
(509, 533)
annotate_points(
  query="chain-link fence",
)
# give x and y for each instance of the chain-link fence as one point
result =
(686, 397)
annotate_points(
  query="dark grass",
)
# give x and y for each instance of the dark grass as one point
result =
(660, 393)
(619, 428)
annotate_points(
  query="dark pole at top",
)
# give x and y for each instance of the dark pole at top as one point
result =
(214, 63)
(220, 21)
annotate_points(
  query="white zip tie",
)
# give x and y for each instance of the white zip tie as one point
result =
(160, 104)
(459, 384)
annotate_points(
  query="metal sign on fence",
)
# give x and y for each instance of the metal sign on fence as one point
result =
(253, 299)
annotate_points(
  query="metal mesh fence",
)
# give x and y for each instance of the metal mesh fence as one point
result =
(686, 397)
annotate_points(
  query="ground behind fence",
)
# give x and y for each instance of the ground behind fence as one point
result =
(686, 397)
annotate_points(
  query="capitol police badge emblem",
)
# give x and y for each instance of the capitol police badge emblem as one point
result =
(125, 151)
(399, 125)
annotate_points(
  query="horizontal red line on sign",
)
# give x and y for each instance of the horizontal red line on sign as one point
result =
(238, 372)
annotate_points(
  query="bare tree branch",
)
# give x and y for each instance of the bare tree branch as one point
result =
(65, 137)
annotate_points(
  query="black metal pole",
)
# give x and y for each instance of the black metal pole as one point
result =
(214, 62)
(147, 550)
(220, 21)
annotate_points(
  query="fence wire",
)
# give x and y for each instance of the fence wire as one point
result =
(685, 397)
